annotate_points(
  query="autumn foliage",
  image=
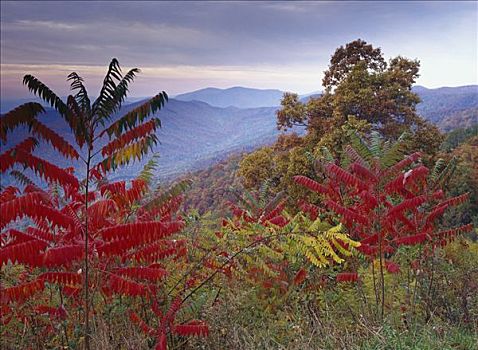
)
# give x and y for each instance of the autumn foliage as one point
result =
(77, 239)
(80, 251)
(386, 202)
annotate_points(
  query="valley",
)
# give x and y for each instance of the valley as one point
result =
(203, 127)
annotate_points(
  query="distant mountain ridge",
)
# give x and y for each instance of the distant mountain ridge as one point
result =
(449, 107)
(237, 96)
(196, 134)
(463, 89)
(444, 106)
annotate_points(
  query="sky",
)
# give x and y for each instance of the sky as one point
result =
(184, 46)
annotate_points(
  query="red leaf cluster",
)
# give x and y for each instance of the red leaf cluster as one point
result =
(345, 177)
(145, 273)
(46, 170)
(310, 184)
(347, 277)
(119, 285)
(21, 292)
(392, 267)
(300, 277)
(128, 137)
(141, 232)
(56, 140)
(192, 328)
(25, 252)
(63, 255)
(63, 278)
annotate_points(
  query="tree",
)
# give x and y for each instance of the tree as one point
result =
(360, 83)
(130, 137)
(346, 58)
(256, 167)
(292, 112)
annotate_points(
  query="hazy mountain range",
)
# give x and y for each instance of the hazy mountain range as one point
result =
(193, 134)
(448, 107)
(236, 96)
(204, 126)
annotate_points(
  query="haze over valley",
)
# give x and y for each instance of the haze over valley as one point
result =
(202, 127)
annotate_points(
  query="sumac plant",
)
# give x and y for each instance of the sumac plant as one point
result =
(385, 200)
(73, 247)
(276, 250)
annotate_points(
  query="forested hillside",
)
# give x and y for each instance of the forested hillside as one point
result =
(192, 135)
(212, 188)
(449, 108)
(207, 190)
(466, 118)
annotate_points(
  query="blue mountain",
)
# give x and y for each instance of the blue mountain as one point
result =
(240, 97)
(194, 134)
(449, 107)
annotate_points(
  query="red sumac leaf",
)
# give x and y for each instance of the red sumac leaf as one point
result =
(347, 277)
(192, 328)
(300, 277)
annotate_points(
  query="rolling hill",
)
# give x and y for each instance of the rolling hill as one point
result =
(239, 97)
(193, 135)
(196, 134)
(447, 107)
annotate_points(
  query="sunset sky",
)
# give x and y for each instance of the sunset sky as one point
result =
(190, 45)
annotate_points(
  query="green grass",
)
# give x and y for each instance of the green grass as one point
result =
(443, 337)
